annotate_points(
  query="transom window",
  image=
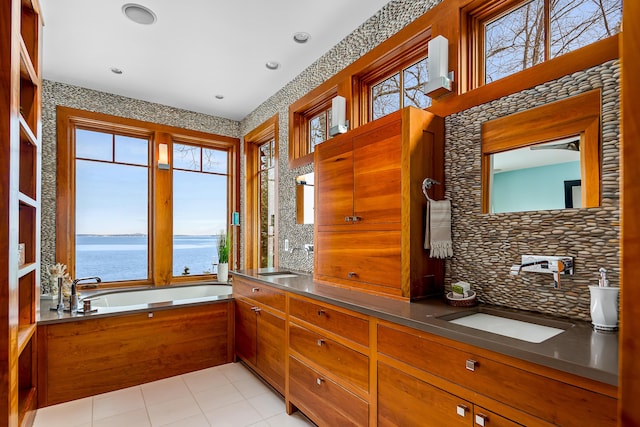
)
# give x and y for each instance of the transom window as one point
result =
(400, 89)
(511, 36)
(319, 126)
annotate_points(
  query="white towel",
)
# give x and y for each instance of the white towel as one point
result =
(437, 234)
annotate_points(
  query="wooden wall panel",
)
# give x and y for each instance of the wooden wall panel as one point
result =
(93, 356)
(629, 414)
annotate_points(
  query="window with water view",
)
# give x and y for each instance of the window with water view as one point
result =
(112, 226)
(200, 178)
(135, 222)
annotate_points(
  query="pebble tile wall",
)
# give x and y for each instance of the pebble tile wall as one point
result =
(486, 245)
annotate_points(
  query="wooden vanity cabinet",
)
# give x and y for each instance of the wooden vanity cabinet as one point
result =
(370, 210)
(328, 363)
(260, 337)
(501, 389)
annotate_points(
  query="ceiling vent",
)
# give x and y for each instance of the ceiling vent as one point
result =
(139, 14)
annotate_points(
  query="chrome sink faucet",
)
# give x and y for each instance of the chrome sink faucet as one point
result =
(545, 264)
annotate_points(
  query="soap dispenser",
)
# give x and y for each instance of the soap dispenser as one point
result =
(604, 304)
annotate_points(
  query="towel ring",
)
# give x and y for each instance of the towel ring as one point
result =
(426, 185)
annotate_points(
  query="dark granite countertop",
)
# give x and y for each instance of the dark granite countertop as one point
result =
(578, 350)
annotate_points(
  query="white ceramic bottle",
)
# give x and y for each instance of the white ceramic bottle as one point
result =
(604, 304)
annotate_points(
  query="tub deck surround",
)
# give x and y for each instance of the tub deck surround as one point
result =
(579, 350)
(133, 300)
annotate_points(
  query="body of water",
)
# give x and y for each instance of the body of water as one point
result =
(116, 258)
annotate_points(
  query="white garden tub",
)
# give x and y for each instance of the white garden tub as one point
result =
(166, 295)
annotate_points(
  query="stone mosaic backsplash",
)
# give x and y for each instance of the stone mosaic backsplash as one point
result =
(486, 245)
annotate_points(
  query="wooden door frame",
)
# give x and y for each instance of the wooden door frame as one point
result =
(263, 133)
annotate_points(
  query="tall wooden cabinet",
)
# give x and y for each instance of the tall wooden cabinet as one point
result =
(20, 127)
(370, 210)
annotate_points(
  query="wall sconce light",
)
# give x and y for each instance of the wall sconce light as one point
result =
(339, 121)
(440, 79)
(163, 156)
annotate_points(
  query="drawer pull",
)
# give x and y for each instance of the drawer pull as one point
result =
(356, 218)
(255, 309)
(320, 342)
(481, 420)
(254, 290)
(352, 274)
(319, 381)
(347, 219)
(462, 410)
(320, 312)
(471, 365)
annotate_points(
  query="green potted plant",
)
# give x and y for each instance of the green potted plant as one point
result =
(223, 258)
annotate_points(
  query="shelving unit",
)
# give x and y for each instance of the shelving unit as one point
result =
(20, 166)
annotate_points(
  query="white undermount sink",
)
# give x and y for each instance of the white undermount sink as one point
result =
(508, 325)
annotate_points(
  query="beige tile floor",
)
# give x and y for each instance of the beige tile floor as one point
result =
(228, 396)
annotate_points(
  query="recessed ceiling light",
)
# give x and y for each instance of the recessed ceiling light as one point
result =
(301, 37)
(139, 14)
(272, 65)
(219, 96)
(116, 70)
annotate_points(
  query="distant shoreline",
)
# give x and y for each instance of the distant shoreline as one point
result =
(144, 235)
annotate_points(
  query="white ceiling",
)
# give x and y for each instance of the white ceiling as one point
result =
(196, 50)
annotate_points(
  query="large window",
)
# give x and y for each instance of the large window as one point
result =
(200, 211)
(511, 36)
(111, 209)
(123, 218)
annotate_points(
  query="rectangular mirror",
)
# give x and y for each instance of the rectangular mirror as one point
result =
(534, 177)
(543, 158)
(304, 199)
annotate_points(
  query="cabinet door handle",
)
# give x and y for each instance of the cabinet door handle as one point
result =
(481, 420)
(471, 365)
(254, 290)
(320, 342)
(347, 219)
(462, 410)
(255, 309)
(320, 312)
(319, 381)
(352, 274)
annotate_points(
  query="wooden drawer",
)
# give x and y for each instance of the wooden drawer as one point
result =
(350, 327)
(485, 418)
(407, 401)
(369, 257)
(259, 292)
(322, 400)
(345, 363)
(553, 400)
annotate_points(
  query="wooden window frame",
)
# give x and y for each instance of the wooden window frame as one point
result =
(252, 142)
(160, 187)
(300, 152)
(578, 115)
(394, 62)
(473, 18)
